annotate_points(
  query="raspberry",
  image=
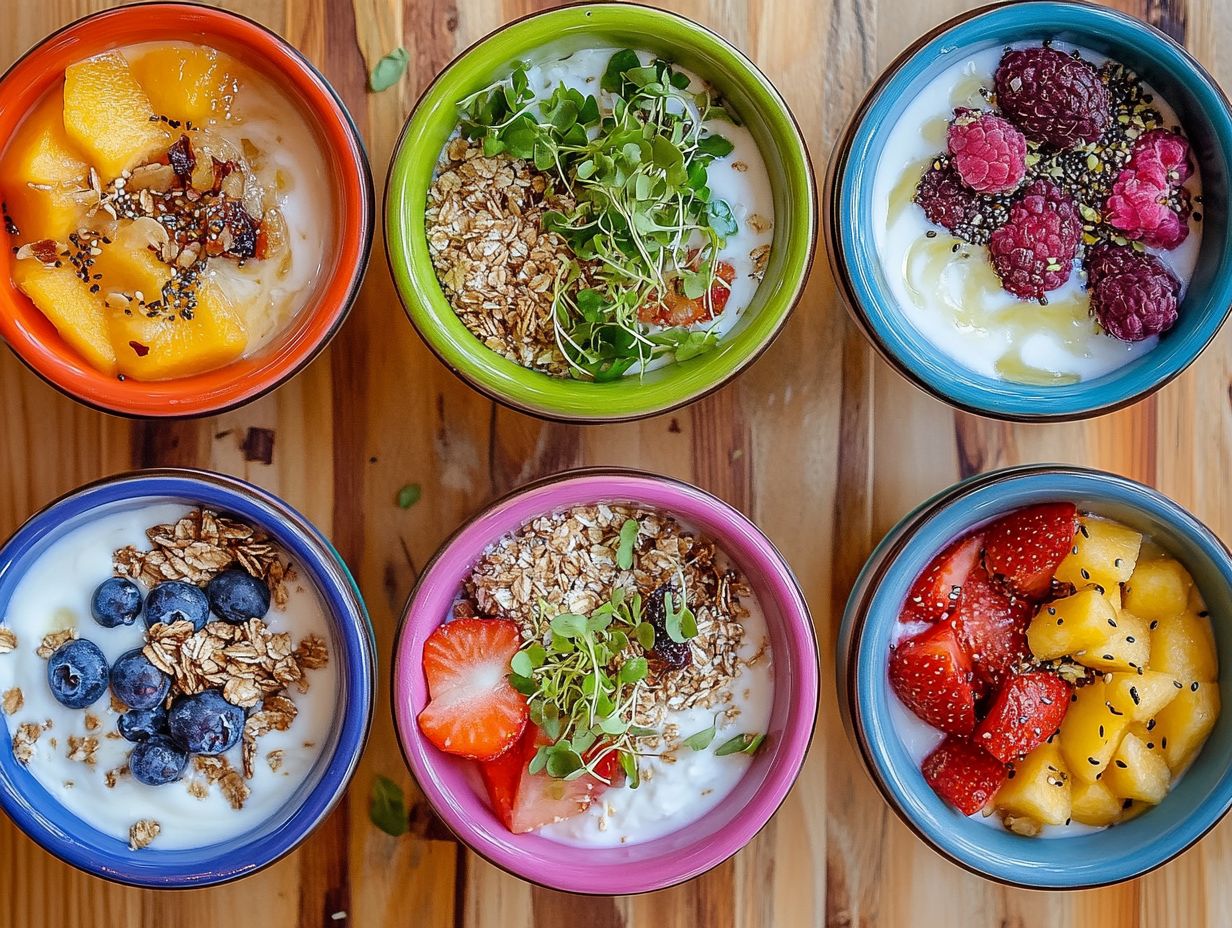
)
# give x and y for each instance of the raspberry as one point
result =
(1133, 294)
(1051, 96)
(949, 203)
(1145, 212)
(989, 153)
(1162, 156)
(1034, 252)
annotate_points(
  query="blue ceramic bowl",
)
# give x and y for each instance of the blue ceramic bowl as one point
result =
(61, 833)
(1119, 853)
(1207, 120)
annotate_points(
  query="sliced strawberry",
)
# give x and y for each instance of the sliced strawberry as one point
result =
(932, 676)
(503, 775)
(1027, 711)
(992, 627)
(608, 768)
(473, 711)
(963, 774)
(1024, 549)
(935, 592)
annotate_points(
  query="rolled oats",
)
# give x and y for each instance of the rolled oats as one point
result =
(12, 701)
(8, 640)
(142, 833)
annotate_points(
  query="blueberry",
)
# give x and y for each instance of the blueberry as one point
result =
(138, 683)
(117, 601)
(142, 724)
(156, 761)
(205, 723)
(175, 600)
(238, 596)
(77, 673)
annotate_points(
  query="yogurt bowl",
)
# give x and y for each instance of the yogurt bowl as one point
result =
(892, 741)
(611, 326)
(712, 766)
(936, 293)
(128, 753)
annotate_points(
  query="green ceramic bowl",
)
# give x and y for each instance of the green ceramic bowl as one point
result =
(560, 32)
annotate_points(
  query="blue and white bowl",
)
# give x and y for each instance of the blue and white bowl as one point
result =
(1206, 117)
(1121, 852)
(33, 809)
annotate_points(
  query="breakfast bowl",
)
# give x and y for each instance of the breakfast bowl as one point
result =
(635, 286)
(700, 732)
(946, 270)
(1069, 810)
(188, 209)
(188, 670)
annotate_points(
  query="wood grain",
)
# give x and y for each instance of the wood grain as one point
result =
(825, 459)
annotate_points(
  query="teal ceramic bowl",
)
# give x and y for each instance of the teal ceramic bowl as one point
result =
(557, 33)
(1206, 118)
(1195, 804)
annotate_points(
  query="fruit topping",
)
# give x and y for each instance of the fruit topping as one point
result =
(156, 761)
(963, 774)
(1143, 211)
(1053, 97)
(678, 308)
(77, 673)
(473, 711)
(116, 601)
(138, 683)
(1034, 251)
(205, 723)
(673, 654)
(237, 596)
(1027, 711)
(176, 601)
(951, 204)
(931, 674)
(987, 151)
(1133, 294)
(1024, 549)
(140, 724)
(992, 628)
(1162, 157)
(934, 594)
(1039, 791)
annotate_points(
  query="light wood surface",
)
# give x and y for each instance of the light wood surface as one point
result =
(819, 442)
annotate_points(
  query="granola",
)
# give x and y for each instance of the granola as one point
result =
(8, 640)
(142, 833)
(12, 701)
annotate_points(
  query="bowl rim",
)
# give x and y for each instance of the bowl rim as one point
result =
(355, 159)
(832, 199)
(809, 665)
(857, 612)
(470, 362)
(360, 653)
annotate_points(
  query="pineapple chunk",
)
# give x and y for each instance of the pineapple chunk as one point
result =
(1094, 804)
(187, 83)
(1184, 647)
(1140, 696)
(169, 346)
(77, 314)
(1072, 624)
(1113, 595)
(1181, 728)
(1091, 732)
(1103, 553)
(1138, 772)
(1158, 589)
(1127, 646)
(1196, 602)
(109, 116)
(1039, 788)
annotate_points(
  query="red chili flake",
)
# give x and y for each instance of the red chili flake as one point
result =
(243, 228)
(142, 350)
(221, 171)
(181, 158)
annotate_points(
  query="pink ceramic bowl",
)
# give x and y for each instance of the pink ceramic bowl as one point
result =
(451, 785)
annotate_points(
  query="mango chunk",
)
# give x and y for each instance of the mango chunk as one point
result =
(187, 83)
(45, 212)
(1072, 624)
(1094, 804)
(1158, 589)
(1182, 726)
(1138, 772)
(128, 266)
(77, 314)
(109, 116)
(1091, 732)
(1039, 788)
(169, 346)
(1141, 696)
(1184, 647)
(1127, 646)
(41, 152)
(1103, 553)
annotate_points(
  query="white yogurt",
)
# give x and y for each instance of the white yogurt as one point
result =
(55, 594)
(955, 300)
(675, 793)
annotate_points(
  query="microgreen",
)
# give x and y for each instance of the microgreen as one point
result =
(628, 537)
(389, 70)
(387, 806)
(748, 743)
(699, 741)
(633, 163)
(409, 495)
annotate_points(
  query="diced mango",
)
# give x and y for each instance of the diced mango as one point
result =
(1127, 646)
(1103, 552)
(1158, 589)
(1181, 728)
(1138, 772)
(129, 266)
(1140, 696)
(109, 116)
(1091, 732)
(1072, 624)
(1094, 804)
(169, 346)
(184, 82)
(77, 314)
(1039, 788)
(44, 212)
(1184, 647)
(41, 152)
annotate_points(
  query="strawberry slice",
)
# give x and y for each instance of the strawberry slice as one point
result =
(992, 627)
(502, 776)
(473, 711)
(1026, 712)
(935, 592)
(963, 774)
(932, 676)
(1024, 549)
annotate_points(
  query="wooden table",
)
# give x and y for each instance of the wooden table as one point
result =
(825, 461)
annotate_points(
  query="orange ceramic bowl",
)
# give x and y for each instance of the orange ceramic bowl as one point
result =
(34, 339)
